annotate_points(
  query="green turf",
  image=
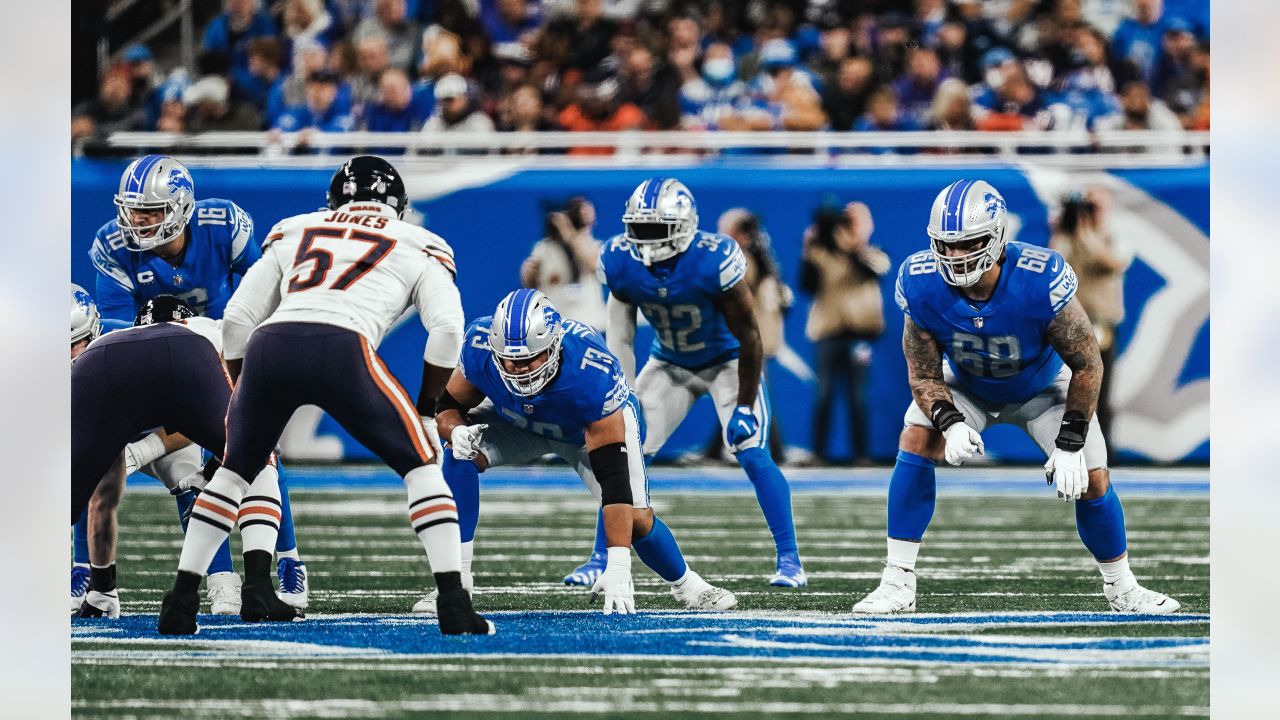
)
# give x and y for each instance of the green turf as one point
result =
(983, 554)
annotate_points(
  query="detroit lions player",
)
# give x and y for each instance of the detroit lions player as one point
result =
(1005, 316)
(165, 242)
(532, 383)
(688, 284)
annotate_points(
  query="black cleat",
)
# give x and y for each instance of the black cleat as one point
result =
(457, 617)
(258, 602)
(178, 613)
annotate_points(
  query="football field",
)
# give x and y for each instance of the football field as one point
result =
(1012, 620)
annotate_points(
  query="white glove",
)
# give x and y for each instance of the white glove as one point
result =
(466, 441)
(962, 442)
(615, 583)
(1067, 469)
(433, 436)
(194, 481)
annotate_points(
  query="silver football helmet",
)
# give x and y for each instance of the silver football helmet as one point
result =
(151, 183)
(526, 325)
(970, 214)
(86, 323)
(661, 219)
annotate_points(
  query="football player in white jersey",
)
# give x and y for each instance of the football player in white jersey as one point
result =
(302, 329)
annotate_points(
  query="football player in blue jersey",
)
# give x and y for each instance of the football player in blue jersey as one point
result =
(688, 283)
(163, 241)
(531, 383)
(1019, 349)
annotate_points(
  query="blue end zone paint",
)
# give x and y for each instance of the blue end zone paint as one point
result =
(910, 639)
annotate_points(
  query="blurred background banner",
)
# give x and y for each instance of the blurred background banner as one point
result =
(494, 212)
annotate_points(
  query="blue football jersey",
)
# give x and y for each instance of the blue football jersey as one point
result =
(679, 296)
(220, 249)
(589, 386)
(999, 349)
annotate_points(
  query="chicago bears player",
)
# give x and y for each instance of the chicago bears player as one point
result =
(302, 329)
(1020, 350)
(165, 242)
(164, 372)
(688, 283)
(532, 383)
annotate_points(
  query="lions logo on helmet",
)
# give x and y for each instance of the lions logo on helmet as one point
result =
(154, 183)
(967, 230)
(86, 323)
(526, 326)
(661, 219)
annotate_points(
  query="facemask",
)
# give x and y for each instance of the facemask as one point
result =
(718, 70)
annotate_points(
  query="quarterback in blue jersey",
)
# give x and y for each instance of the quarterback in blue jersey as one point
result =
(1018, 349)
(531, 383)
(688, 284)
(163, 241)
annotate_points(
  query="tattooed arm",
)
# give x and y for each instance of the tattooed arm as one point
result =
(1071, 335)
(924, 367)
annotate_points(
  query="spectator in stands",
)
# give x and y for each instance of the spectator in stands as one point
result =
(1188, 93)
(651, 86)
(399, 107)
(883, 114)
(684, 46)
(834, 47)
(717, 100)
(1086, 91)
(137, 61)
(456, 110)
(893, 35)
(916, 87)
(240, 22)
(309, 56)
(1137, 45)
(371, 61)
(211, 109)
(110, 112)
(172, 116)
(1176, 65)
(441, 54)
(588, 34)
(522, 111)
(399, 33)
(597, 107)
(309, 19)
(563, 263)
(264, 76)
(787, 90)
(1105, 15)
(1084, 236)
(509, 21)
(845, 100)
(1138, 111)
(979, 38)
(322, 111)
(842, 270)
(1016, 105)
(952, 108)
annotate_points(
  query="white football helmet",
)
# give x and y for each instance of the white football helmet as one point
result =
(964, 212)
(661, 219)
(86, 323)
(526, 325)
(154, 182)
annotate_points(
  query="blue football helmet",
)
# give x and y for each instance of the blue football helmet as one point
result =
(661, 219)
(964, 212)
(151, 183)
(86, 322)
(526, 325)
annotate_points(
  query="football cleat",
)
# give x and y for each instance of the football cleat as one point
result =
(178, 613)
(259, 602)
(294, 587)
(79, 585)
(1126, 595)
(223, 590)
(427, 605)
(100, 604)
(588, 572)
(896, 594)
(457, 617)
(698, 594)
(790, 572)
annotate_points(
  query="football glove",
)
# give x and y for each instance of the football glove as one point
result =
(466, 441)
(615, 584)
(433, 436)
(1067, 469)
(742, 425)
(962, 443)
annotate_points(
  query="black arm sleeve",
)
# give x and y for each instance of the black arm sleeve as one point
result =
(613, 472)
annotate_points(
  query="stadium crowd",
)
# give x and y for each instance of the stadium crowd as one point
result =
(444, 66)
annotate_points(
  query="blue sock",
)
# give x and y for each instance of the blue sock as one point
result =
(911, 496)
(774, 495)
(601, 546)
(660, 552)
(222, 558)
(463, 478)
(1100, 523)
(285, 541)
(80, 540)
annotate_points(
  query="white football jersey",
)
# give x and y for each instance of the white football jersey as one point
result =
(358, 267)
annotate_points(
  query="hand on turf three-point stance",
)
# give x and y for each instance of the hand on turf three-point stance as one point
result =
(615, 584)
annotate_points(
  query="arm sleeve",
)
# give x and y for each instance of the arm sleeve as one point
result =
(254, 301)
(244, 250)
(900, 292)
(113, 288)
(440, 307)
(732, 268)
(1062, 287)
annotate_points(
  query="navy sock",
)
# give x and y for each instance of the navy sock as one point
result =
(774, 495)
(601, 546)
(661, 553)
(222, 558)
(463, 478)
(911, 496)
(80, 540)
(1100, 523)
(285, 540)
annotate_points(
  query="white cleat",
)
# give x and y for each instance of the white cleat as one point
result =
(1127, 596)
(223, 590)
(295, 587)
(698, 594)
(99, 605)
(427, 605)
(896, 594)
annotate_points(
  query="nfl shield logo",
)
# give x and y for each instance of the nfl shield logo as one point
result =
(528, 409)
(662, 292)
(178, 280)
(977, 322)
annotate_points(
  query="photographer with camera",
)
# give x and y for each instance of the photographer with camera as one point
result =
(563, 263)
(1083, 236)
